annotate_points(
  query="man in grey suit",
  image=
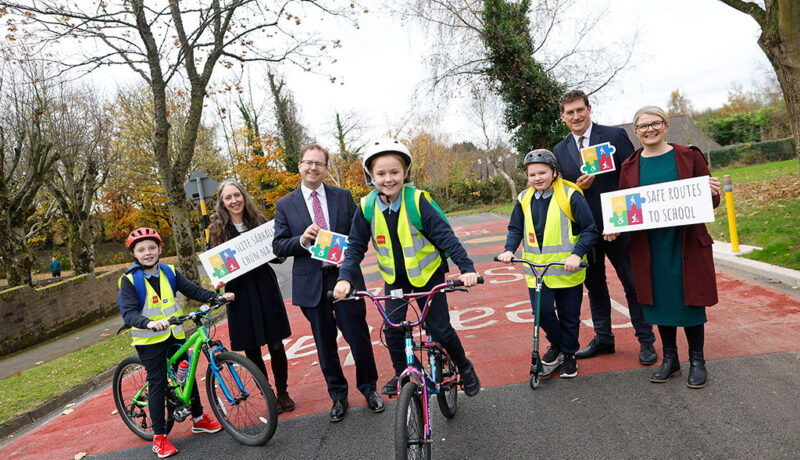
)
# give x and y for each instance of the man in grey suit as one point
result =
(298, 218)
(576, 113)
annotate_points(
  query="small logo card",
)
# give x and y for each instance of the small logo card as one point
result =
(598, 158)
(329, 247)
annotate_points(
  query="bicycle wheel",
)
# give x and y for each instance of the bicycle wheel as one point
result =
(130, 396)
(409, 428)
(250, 416)
(448, 394)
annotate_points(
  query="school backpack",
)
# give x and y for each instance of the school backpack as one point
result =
(138, 282)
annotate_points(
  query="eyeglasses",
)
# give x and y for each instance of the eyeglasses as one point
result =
(310, 163)
(656, 125)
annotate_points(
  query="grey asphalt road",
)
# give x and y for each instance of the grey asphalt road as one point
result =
(749, 410)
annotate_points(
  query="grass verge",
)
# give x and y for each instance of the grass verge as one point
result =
(31, 388)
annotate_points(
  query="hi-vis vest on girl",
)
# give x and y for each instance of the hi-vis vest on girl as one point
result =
(420, 256)
(557, 244)
(156, 308)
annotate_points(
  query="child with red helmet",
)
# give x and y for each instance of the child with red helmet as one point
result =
(147, 302)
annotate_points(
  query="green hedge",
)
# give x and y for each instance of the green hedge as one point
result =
(753, 153)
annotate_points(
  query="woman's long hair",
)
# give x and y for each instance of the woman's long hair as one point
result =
(218, 229)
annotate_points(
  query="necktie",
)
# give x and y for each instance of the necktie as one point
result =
(580, 141)
(319, 216)
(580, 147)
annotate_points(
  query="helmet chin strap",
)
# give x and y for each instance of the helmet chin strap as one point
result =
(145, 267)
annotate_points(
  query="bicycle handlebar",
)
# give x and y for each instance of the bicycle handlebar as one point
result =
(203, 311)
(447, 286)
(582, 264)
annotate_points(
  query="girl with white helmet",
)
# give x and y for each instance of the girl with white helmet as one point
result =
(409, 234)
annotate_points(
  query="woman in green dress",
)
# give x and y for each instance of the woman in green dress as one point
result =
(673, 267)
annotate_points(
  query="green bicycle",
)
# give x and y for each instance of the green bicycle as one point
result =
(239, 394)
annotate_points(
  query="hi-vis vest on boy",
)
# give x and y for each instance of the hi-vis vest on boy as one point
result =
(154, 307)
(420, 255)
(558, 241)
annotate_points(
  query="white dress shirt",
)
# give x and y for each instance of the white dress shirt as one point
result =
(587, 135)
(310, 203)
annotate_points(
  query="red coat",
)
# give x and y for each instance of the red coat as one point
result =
(699, 277)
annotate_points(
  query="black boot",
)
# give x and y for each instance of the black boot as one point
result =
(697, 370)
(670, 366)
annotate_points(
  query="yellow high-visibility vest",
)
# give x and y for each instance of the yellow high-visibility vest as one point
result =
(420, 256)
(557, 244)
(156, 308)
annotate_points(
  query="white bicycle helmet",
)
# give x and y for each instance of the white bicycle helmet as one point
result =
(381, 147)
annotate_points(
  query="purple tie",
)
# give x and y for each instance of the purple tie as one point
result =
(319, 217)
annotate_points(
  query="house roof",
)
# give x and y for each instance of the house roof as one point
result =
(682, 130)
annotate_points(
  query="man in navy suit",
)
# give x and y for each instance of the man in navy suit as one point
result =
(298, 218)
(576, 113)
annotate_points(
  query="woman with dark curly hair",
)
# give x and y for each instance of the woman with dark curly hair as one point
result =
(258, 316)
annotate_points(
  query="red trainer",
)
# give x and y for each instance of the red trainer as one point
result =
(162, 447)
(206, 425)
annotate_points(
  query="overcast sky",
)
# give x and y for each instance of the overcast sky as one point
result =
(701, 47)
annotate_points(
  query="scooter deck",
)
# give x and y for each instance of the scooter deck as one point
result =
(549, 371)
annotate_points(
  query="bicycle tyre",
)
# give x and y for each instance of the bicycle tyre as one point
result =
(409, 434)
(129, 378)
(448, 394)
(251, 419)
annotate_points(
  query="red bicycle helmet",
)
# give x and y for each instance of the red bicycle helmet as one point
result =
(143, 233)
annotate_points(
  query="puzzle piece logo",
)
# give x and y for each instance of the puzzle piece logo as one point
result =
(224, 263)
(627, 210)
(598, 158)
(329, 247)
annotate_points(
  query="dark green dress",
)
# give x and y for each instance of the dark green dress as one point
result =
(666, 247)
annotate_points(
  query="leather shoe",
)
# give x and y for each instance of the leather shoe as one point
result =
(647, 354)
(595, 347)
(375, 403)
(338, 410)
(285, 403)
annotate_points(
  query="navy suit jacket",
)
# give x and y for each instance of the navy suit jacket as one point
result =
(566, 153)
(291, 220)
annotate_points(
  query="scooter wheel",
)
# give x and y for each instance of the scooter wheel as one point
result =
(534, 381)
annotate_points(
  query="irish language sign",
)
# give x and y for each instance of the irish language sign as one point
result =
(238, 256)
(329, 247)
(669, 204)
(598, 158)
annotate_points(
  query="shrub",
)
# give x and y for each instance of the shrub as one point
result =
(753, 153)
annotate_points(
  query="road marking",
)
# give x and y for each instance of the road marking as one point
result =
(486, 239)
(620, 308)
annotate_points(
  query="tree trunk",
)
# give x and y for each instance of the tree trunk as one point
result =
(511, 184)
(780, 41)
(16, 258)
(81, 245)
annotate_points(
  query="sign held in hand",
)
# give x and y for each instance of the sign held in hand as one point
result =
(669, 204)
(329, 246)
(239, 255)
(598, 158)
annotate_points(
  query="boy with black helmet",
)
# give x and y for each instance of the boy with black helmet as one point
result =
(147, 300)
(409, 233)
(554, 222)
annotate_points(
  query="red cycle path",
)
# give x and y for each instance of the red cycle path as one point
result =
(494, 322)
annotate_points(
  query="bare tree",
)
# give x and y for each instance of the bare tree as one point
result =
(82, 138)
(172, 43)
(561, 43)
(485, 111)
(26, 156)
(291, 133)
(780, 40)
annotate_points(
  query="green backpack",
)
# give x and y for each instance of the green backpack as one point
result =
(411, 209)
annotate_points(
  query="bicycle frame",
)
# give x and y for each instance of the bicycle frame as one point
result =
(198, 342)
(415, 368)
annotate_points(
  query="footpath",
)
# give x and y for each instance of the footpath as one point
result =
(480, 236)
